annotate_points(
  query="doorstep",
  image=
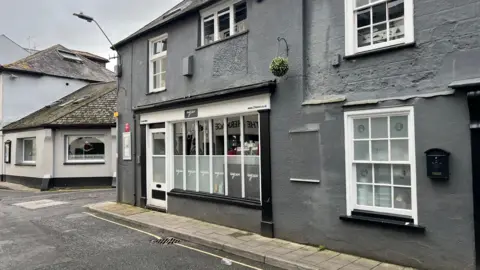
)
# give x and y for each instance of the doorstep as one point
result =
(270, 251)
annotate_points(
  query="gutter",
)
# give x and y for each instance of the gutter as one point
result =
(59, 126)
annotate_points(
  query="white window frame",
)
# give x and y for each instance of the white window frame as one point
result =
(153, 57)
(214, 11)
(34, 145)
(351, 196)
(96, 136)
(351, 42)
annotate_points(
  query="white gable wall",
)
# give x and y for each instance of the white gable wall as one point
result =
(24, 93)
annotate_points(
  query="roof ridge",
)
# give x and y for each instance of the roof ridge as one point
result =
(80, 105)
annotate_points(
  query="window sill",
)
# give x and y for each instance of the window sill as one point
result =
(84, 163)
(380, 50)
(216, 198)
(26, 164)
(222, 40)
(382, 220)
(156, 91)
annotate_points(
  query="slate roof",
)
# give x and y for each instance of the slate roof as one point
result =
(171, 15)
(92, 105)
(50, 62)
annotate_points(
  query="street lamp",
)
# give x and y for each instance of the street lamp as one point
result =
(91, 19)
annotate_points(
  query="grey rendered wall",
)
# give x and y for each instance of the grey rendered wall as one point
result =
(226, 215)
(10, 51)
(241, 60)
(83, 170)
(44, 150)
(26, 93)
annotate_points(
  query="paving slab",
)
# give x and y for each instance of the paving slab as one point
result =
(276, 252)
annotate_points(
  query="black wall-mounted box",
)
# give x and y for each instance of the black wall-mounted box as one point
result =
(438, 164)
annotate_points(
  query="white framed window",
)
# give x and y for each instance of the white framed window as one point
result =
(29, 150)
(158, 64)
(85, 149)
(223, 20)
(375, 24)
(380, 161)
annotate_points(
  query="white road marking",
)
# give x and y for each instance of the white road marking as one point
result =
(32, 205)
(180, 245)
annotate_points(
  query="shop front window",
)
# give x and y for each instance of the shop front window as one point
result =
(222, 156)
(178, 153)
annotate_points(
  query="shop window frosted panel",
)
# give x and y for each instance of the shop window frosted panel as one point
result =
(218, 157)
(234, 159)
(218, 174)
(204, 163)
(191, 173)
(159, 170)
(252, 177)
(178, 155)
(191, 159)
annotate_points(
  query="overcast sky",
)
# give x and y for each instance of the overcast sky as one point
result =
(50, 22)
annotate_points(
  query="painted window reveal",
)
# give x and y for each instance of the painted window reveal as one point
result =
(158, 64)
(85, 149)
(372, 24)
(223, 20)
(220, 156)
(29, 150)
(380, 156)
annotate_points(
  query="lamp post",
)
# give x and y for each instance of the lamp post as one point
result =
(91, 19)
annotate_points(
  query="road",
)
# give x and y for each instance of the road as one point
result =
(55, 232)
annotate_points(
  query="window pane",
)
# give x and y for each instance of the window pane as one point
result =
(364, 37)
(85, 148)
(28, 152)
(156, 66)
(364, 195)
(402, 198)
(162, 80)
(399, 150)
(395, 9)
(178, 154)
(163, 64)
(363, 18)
(158, 170)
(362, 3)
(159, 46)
(234, 158)
(379, 13)
(361, 151)
(380, 150)
(364, 173)
(191, 157)
(208, 32)
(380, 127)
(383, 196)
(382, 174)
(399, 126)
(401, 175)
(156, 81)
(240, 17)
(158, 143)
(204, 158)
(379, 33)
(218, 157)
(397, 29)
(361, 129)
(251, 150)
(224, 26)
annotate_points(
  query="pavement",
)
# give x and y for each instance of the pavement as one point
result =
(53, 230)
(12, 186)
(274, 252)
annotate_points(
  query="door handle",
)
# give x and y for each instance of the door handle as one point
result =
(159, 186)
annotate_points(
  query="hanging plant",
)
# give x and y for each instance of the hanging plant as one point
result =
(279, 66)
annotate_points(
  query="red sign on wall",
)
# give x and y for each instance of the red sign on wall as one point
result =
(127, 127)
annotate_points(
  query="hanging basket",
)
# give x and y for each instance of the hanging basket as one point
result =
(279, 66)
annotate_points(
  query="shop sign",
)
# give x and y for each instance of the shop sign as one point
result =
(192, 113)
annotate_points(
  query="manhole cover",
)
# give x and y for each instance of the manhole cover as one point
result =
(166, 241)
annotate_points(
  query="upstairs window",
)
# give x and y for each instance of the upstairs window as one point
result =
(375, 24)
(158, 64)
(223, 20)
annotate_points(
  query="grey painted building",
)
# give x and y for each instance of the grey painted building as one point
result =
(332, 153)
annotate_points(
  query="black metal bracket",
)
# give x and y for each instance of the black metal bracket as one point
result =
(279, 39)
